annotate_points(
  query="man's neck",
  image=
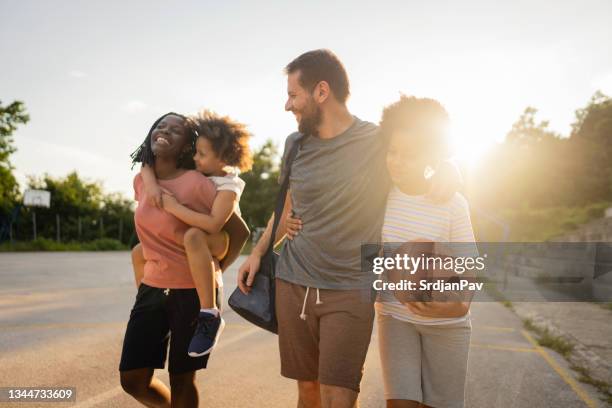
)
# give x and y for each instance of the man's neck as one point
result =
(336, 120)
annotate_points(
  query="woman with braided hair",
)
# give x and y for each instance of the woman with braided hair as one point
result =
(221, 152)
(166, 309)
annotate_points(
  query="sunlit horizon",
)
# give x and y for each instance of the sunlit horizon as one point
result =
(103, 84)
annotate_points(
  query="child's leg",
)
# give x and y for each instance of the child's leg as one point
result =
(400, 356)
(201, 266)
(219, 247)
(138, 263)
(445, 362)
(210, 324)
(201, 247)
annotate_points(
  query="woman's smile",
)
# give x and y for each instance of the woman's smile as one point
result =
(162, 140)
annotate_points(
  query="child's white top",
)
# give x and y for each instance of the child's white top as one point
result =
(410, 217)
(230, 182)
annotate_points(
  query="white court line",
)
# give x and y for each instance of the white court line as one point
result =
(113, 392)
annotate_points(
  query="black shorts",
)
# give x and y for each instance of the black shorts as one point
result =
(162, 316)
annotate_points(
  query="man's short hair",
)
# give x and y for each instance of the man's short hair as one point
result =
(321, 65)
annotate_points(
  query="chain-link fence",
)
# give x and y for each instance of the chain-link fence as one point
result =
(29, 224)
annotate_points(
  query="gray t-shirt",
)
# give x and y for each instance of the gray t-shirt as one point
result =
(339, 188)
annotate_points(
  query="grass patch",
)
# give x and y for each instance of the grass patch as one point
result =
(548, 340)
(563, 347)
(556, 343)
(607, 306)
(44, 244)
(602, 386)
(102, 244)
(528, 324)
(495, 293)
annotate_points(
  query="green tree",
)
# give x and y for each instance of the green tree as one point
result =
(259, 197)
(543, 184)
(118, 218)
(86, 212)
(597, 100)
(10, 117)
(529, 169)
(528, 132)
(591, 141)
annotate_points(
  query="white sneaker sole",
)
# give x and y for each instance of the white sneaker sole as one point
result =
(221, 327)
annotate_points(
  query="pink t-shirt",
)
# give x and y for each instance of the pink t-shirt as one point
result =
(160, 232)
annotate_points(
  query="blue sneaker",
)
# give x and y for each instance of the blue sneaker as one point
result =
(206, 334)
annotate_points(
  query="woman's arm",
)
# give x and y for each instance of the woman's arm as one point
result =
(222, 208)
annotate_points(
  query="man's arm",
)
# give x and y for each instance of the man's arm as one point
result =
(446, 182)
(247, 271)
(281, 231)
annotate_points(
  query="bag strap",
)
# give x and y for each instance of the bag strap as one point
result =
(282, 194)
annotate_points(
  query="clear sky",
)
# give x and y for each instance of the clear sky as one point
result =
(94, 75)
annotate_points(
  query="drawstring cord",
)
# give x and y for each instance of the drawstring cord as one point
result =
(319, 302)
(303, 314)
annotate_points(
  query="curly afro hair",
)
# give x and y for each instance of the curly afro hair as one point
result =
(412, 112)
(229, 139)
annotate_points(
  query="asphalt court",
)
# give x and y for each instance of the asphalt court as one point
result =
(70, 332)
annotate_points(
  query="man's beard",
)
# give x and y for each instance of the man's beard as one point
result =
(311, 119)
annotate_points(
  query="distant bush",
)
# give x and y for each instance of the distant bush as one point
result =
(44, 244)
(541, 224)
(104, 244)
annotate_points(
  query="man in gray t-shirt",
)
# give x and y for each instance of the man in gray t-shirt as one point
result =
(338, 187)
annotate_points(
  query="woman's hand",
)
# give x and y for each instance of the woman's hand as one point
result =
(438, 309)
(293, 225)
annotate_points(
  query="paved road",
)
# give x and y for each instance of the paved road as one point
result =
(62, 317)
